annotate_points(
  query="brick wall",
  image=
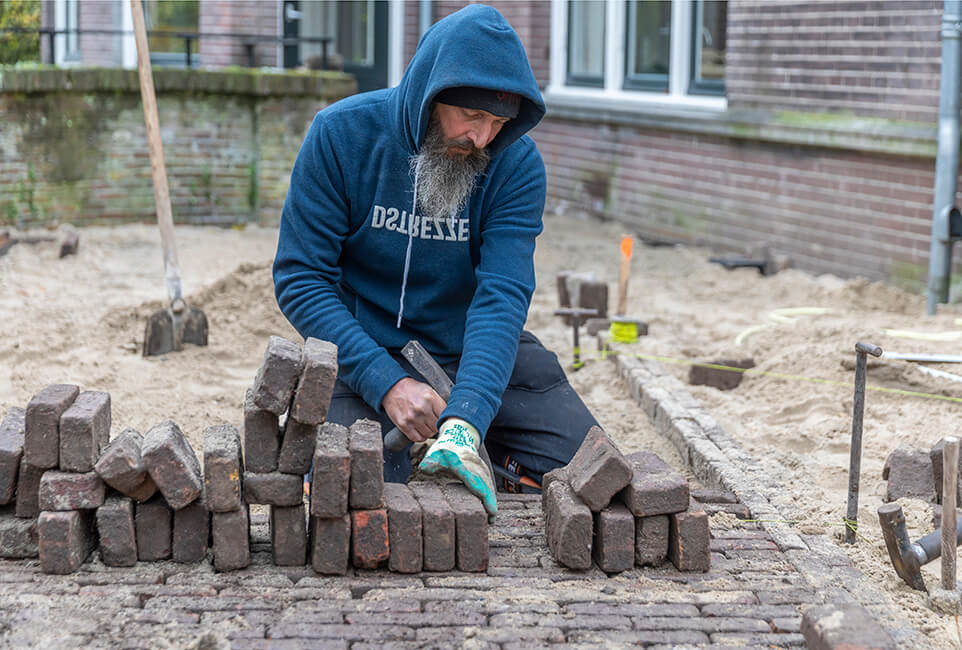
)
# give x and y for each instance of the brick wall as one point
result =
(866, 58)
(238, 16)
(230, 139)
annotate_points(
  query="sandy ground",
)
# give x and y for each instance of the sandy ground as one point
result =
(80, 320)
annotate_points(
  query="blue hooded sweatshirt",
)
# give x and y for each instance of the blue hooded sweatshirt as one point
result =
(349, 220)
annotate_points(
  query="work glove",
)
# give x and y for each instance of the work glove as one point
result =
(455, 453)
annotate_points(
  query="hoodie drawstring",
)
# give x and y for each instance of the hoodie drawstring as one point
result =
(407, 254)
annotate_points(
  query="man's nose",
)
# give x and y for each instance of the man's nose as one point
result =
(480, 136)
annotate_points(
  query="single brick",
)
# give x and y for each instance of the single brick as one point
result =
(11, 451)
(369, 538)
(655, 488)
(231, 536)
(18, 537)
(41, 445)
(288, 535)
(437, 527)
(297, 447)
(84, 431)
(651, 540)
(28, 490)
(152, 523)
(598, 471)
(712, 495)
(404, 528)
(261, 437)
(557, 474)
(191, 533)
(471, 524)
(316, 384)
(717, 377)
(273, 488)
(844, 625)
(689, 539)
(614, 539)
(121, 466)
(172, 465)
(568, 526)
(330, 484)
(910, 474)
(71, 491)
(64, 540)
(223, 468)
(594, 295)
(935, 455)
(330, 544)
(278, 374)
(367, 464)
(115, 525)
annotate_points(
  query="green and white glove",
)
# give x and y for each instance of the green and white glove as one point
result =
(455, 453)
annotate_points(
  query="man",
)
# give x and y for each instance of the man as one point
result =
(412, 214)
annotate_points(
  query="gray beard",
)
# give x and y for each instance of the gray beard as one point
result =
(444, 182)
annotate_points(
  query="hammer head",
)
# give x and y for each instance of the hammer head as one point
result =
(899, 546)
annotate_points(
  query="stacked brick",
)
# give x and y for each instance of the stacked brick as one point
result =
(622, 511)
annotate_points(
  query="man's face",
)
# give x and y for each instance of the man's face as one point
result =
(467, 129)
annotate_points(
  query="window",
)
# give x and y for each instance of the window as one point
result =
(657, 51)
(175, 16)
(67, 40)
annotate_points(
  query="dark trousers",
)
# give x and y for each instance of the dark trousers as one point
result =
(540, 426)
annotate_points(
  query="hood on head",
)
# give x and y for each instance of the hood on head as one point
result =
(475, 46)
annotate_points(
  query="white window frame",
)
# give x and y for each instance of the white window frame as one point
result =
(613, 93)
(63, 57)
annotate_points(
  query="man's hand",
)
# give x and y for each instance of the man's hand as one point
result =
(455, 453)
(414, 408)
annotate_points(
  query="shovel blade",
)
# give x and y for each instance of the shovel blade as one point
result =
(194, 324)
(159, 334)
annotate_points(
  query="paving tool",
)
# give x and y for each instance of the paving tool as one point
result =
(950, 482)
(855, 458)
(576, 314)
(168, 329)
(624, 329)
(909, 557)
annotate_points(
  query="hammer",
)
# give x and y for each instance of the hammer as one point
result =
(908, 557)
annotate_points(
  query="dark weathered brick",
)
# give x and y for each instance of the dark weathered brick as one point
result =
(231, 536)
(316, 384)
(330, 544)
(651, 540)
(121, 466)
(437, 527)
(655, 488)
(614, 539)
(598, 470)
(935, 456)
(65, 540)
(404, 528)
(18, 536)
(172, 464)
(568, 526)
(11, 451)
(115, 525)
(41, 446)
(471, 524)
(712, 495)
(274, 488)
(689, 539)
(84, 431)
(71, 491)
(276, 378)
(191, 532)
(367, 464)
(223, 468)
(261, 437)
(153, 523)
(288, 535)
(910, 474)
(297, 447)
(28, 490)
(370, 546)
(557, 474)
(718, 377)
(330, 485)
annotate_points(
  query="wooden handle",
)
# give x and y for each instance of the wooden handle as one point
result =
(624, 272)
(950, 486)
(161, 192)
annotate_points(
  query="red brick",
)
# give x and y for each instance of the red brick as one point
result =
(330, 544)
(153, 523)
(370, 546)
(172, 464)
(330, 486)
(71, 491)
(11, 451)
(231, 538)
(191, 532)
(84, 431)
(28, 490)
(598, 470)
(288, 535)
(121, 466)
(655, 488)
(438, 527)
(471, 524)
(261, 437)
(273, 488)
(65, 540)
(41, 447)
(316, 384)
(614, 539)
(223, 468)
(367, 464)
(297, 447)
(115, 525)
(404, 528)
(568, 526)
(689, 539)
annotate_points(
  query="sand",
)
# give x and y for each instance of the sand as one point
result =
(80, 320)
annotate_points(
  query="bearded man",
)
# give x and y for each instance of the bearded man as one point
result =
(412, 214)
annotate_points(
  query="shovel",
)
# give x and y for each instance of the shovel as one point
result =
(168, 329)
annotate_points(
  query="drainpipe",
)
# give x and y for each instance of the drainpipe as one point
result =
(947, 159)
(424, 17)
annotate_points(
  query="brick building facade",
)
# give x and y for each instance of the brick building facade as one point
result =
(806, 125)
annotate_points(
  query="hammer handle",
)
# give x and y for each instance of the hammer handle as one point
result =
(931, 544)
(436, 378)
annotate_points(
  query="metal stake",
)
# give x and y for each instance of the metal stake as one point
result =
(855, 460)
(950, 487)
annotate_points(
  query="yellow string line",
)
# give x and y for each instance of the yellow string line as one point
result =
(848, 523)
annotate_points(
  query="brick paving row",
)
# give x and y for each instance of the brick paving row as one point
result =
(750, 597)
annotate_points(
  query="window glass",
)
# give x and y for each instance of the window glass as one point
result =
(173, 16)
(647, 44)
(586, 42)
(708, 55)
(71, 27)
